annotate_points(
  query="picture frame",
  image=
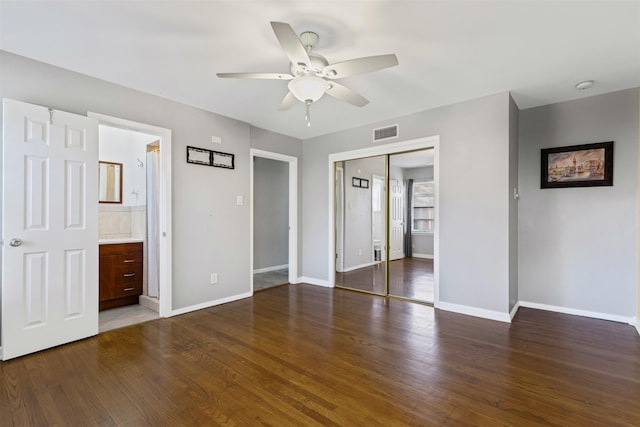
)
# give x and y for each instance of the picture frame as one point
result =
(359, 182)
(199, 156)
(218, 159)
(585, 165)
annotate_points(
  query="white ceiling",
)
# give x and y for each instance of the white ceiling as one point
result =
(448, 51)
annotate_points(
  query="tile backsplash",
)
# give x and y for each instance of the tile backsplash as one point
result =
(121, 222)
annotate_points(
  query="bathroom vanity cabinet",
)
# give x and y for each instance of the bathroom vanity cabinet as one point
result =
(120, 274)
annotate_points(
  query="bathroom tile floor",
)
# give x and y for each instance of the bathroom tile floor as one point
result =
(124, 316)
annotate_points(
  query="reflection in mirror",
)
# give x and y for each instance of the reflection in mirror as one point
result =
(110, 182)
(411, 225)
(360, 230)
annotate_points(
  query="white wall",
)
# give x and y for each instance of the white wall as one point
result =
(271, 213)
(210, 232)
(578, 247)
(474, 197)
(126, 147)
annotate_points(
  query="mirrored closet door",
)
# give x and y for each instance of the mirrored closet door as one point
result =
(360, 224)
(367, 216)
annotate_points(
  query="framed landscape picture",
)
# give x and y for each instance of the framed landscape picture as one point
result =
(586, 165)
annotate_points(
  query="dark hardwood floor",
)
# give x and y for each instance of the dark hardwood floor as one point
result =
(408, 278)
(301, 355)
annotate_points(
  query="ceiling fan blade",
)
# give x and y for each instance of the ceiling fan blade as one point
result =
(290, 43)
(288, 101)
(359, 66)
(343, 93)
(267, 76)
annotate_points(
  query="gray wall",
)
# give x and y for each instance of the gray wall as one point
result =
(474, 196)
(271, 213)
(358, 237)
(578, 247)
(210, 233)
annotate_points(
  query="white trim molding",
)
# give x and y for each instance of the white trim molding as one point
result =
(357, 267)
(425, 256)
(211, 303)
(315, 282)
(576, 312)
(474, 311)
(272, 268)
(514, 310)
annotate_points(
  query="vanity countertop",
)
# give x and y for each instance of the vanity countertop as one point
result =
(119, 240)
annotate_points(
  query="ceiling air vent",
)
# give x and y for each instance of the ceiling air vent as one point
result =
(388, 132)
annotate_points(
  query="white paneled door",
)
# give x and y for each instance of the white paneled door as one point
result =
(396, 220)
(49, 227)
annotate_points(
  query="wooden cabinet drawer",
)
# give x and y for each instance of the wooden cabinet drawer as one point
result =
(126, 289)
(121, 268)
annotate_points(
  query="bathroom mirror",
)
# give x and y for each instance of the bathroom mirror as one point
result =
(110, 182)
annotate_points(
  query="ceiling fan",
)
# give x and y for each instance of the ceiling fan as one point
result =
(311, 74)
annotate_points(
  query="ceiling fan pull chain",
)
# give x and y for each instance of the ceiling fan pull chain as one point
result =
(308, 116)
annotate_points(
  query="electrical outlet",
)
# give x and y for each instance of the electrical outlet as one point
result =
(359, 252)
(214, 278)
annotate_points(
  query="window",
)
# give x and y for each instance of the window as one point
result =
(423, 207)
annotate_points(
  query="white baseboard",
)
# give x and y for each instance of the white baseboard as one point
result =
(474, 311)
(427, 256)
(1, 354)
(636, 323)
(273, 268)
(369, 264)
(210, 304)
(575, 312)
(514, 310)
(150, 302)
(316, 282)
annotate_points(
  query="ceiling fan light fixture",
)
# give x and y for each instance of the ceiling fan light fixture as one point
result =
(308, 87)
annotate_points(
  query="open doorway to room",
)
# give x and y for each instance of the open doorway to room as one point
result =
(133, 228)
(273, 220)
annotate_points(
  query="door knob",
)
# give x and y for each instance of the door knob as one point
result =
(15, 242)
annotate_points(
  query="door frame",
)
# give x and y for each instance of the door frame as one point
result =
(164, 213)
(340, 231)
(383, 249)
(401, 185)
(379, 150)
(293, 209)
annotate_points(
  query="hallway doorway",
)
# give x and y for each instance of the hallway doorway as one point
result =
(273, 219)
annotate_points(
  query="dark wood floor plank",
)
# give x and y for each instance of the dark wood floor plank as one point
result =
(301, 355)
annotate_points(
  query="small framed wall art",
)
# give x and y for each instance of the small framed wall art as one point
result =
(586, 165)
(202, 156)
(359, 182)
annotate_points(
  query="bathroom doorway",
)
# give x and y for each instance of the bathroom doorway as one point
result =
(134, 231)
